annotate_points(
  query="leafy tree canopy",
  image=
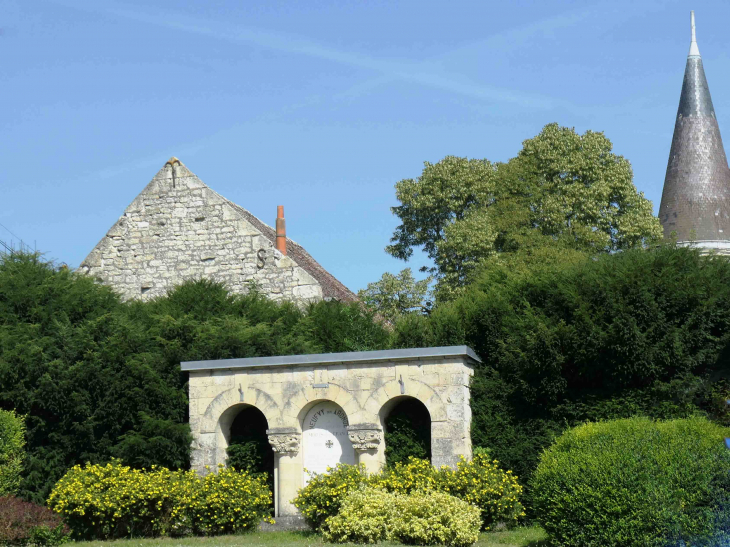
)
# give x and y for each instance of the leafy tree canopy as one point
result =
(395, 295)
(563, 189)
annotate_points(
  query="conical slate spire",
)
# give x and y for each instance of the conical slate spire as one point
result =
(695, 202)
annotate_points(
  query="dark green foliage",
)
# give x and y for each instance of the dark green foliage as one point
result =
(638, 332)
(155, 442)
(99, 378)
(248, 448)
(407, 432)
(633, 483)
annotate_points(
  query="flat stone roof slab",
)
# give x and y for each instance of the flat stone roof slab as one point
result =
(333, 358)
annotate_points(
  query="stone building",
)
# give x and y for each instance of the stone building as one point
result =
(695, 206)
(320, 410)
(177, 229)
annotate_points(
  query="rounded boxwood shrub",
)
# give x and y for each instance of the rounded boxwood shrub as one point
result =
(633, 482)
(369, 515)
(115, 501)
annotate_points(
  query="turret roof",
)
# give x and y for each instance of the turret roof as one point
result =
(695, 202)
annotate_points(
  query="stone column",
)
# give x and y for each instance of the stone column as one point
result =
(366, 439)
(288, 469)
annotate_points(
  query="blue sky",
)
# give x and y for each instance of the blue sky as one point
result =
(321, 106)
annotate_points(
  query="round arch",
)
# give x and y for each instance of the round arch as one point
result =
(325, 440)
(215, 423)
(406, 425)
(393, 389)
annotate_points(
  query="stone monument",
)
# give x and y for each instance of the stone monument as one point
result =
(330, 408)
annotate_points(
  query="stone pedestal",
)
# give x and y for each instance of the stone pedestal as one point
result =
(285, 442)
(367, 440)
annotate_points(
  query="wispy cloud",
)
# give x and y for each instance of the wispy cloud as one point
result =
(419, 73)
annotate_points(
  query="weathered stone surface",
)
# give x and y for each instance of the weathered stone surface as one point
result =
(178, 229)
(365, 436)
(284, 440)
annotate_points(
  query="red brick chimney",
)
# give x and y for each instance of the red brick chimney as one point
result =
(280, 230)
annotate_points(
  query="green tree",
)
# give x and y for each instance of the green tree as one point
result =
(563, 189)
(12, 451)
(395, 295)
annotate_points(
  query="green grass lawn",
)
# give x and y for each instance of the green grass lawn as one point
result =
(520, 537)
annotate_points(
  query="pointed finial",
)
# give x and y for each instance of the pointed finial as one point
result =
(694, 51)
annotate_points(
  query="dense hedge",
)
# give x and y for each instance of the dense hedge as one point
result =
(634, 333)
(634, 482)
(98, 378)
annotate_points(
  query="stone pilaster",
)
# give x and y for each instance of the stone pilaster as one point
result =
(286, 441)
(367, 440)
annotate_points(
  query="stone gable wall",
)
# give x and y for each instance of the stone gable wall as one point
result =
(179, 229)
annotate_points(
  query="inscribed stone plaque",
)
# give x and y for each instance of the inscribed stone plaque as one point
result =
(325, 442)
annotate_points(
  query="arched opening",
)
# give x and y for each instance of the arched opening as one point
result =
(325, 441)
(406, 430)
(248, 446)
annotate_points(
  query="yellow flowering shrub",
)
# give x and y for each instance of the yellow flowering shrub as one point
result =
(322, 496)
(414, 474)
(114, 501)
(227, 502)
(481, 482)
(369, 515)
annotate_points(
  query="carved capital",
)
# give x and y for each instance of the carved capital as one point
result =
(364, 436)
(284, 440)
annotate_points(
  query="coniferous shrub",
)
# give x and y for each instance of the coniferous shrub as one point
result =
(634, 482)
(24, 523)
